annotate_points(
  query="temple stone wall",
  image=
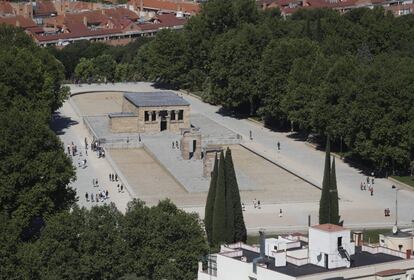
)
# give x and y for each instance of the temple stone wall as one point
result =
(123, 124)
(152, 126)
(208, 159)
(188, 149)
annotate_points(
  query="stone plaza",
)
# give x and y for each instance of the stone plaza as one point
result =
(287, 180)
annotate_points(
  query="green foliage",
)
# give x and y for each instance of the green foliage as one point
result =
(334, 202)
(43, 234)
(325, 201)
(102, 69)
(240, 233)
(102, 243)
(323, 72)
(219, 228)
(209, 209)
(224, 220)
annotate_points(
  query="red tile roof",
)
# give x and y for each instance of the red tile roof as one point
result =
(19, 21)
(187, 7)
(44, 8)
(390, 272)
(6, 8)
(329, 227)
(121, 13)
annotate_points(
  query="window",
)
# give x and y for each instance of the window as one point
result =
(180, 115)
(146, 118)
(173, 115)
(154, 116)
(340, 241)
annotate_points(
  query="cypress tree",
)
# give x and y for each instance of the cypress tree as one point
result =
(219, 232)
(229, 211)
(208, 214)
(334, 196)
(240, 233)
(324, 203)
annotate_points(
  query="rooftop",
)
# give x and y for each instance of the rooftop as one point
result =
(329, 227)
(360, 258)
(153, 99)
(390, 272)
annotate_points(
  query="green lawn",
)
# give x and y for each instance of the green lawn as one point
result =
(372, 235)
(254, 239)
(409, 180)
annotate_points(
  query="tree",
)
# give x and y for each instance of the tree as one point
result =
(209, 209)
(325, 201)
(334, 205)
(219, 217)
(240, 233)
(85, 71)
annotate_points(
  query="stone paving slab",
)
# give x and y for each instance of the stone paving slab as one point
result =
(189, 173)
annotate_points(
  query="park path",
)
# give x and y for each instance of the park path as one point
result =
(357, 207)
(72, 129)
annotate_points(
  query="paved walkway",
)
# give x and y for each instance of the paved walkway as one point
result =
(71, 129)
(358, 208)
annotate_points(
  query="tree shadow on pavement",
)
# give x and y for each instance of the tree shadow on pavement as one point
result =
(58, 123)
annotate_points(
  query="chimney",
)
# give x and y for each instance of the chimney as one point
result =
(262, 258)
(85, 21)
(141, 6)
(262, 243)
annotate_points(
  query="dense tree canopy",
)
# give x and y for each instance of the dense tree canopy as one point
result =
(43, 233)
(319, 71)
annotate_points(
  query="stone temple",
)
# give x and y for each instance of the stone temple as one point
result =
(151, 112)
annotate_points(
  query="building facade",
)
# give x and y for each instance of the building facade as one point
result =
(326, 253)
(151, 112)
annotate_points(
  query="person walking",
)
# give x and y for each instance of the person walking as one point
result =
(280, 213)
(86, 196)
(117, 187)
(107, 194)
(173, 144)
(251, 135)
(110, 177)
(254, 203)
(116, 177)
(278, 145)
(92, 197)
(258, 204)
(243, 207)
(122, 188)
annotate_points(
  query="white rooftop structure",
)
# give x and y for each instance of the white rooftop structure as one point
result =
(327, 253)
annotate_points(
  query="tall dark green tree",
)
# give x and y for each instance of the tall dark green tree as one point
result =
(324, 203)
(219, 217)
(240, 233)
(209, 210)
(334, 205)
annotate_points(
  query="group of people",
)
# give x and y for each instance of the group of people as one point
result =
(256, 204)
(96, 147)
(387, 212)
(368, 184)
(100, 196)
(175, 145)
(113, 177)
(72, 149)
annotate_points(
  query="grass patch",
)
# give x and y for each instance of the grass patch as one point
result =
(254, 239)
(372, 235)
(409, 180)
